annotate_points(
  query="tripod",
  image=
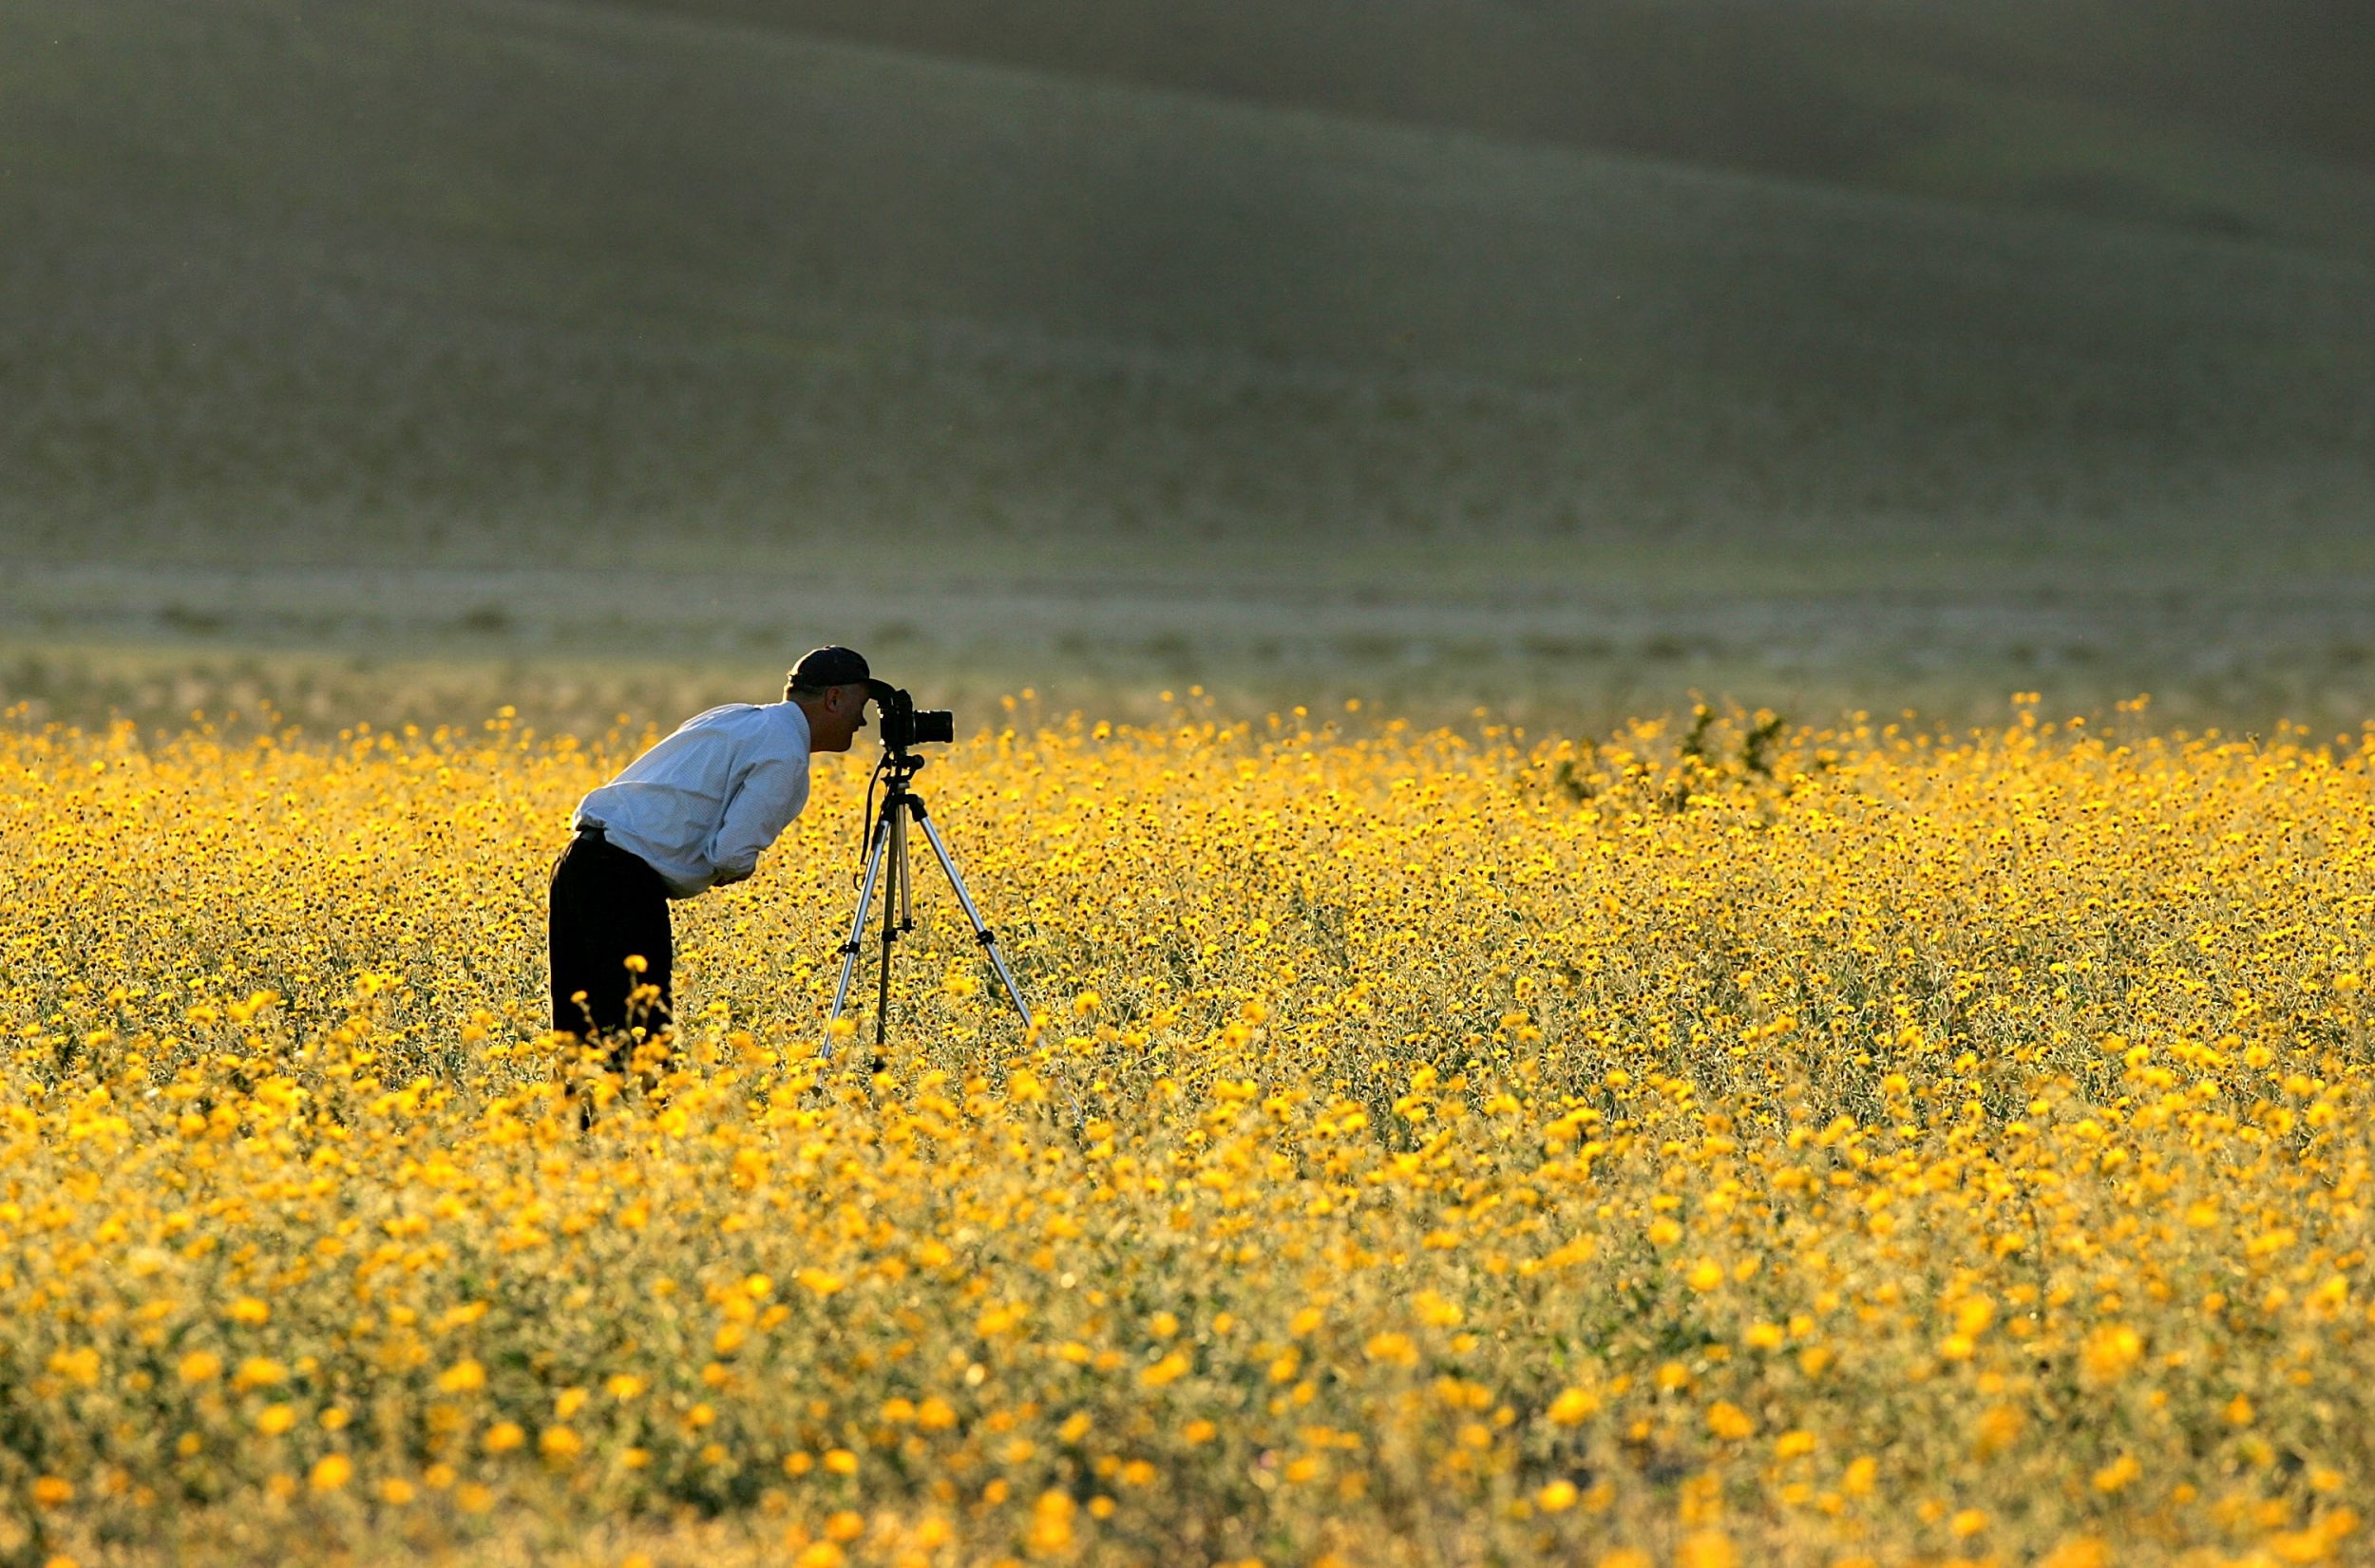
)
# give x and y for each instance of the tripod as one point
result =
(889, 848)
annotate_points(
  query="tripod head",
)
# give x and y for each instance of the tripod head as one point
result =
(899, 767)
(895, 768)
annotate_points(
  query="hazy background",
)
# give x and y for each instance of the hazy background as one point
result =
(393, 359)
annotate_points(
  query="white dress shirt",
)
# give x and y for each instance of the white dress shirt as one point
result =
(700, 806)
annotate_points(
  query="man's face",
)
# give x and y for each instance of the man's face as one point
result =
(834, 722)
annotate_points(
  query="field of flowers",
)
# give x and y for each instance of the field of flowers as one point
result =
(1712, 1143)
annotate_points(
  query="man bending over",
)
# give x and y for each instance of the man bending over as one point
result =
(688, 815)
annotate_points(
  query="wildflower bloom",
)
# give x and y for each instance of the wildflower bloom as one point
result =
(462, 1377)
(1573, 1405)
(1423, 1132)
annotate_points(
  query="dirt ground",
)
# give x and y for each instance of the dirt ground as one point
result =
(579, 649)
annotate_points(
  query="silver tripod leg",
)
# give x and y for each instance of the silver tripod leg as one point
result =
(898, 909)
(906, 875)
(857, 928)
(980, 927)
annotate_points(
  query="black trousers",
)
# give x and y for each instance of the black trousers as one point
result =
(607, 906)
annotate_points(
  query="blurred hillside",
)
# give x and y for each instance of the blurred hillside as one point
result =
(495, 281)
(2233, 116)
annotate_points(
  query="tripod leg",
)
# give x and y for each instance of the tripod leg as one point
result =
(850, 949)
(895, 897)
(981, 928)
(907, 879)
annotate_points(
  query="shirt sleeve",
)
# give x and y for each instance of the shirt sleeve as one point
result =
(767, 796)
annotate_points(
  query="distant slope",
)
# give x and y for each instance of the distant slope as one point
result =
(474, 279)
(2236, 116)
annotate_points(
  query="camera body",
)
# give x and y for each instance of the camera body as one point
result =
(905, 725)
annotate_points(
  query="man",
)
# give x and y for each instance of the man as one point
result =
(688, 815)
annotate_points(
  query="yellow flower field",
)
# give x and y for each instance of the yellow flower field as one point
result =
(1718, 1144)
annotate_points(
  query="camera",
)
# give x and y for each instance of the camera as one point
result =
(905, 725)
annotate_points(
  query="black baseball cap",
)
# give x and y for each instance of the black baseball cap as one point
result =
(825, 666)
